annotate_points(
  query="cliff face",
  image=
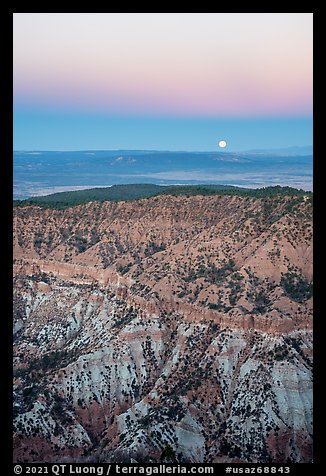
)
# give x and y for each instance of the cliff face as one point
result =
(169, 320)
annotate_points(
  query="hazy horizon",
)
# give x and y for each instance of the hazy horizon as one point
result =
(88, 85)
(45, 172)
(289, 148)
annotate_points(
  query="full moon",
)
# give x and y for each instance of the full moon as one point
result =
(222, 144)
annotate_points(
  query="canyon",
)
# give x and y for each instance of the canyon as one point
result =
(170, 328)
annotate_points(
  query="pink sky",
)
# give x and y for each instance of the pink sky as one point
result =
(169, 64)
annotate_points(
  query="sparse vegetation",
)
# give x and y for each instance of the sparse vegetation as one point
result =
(296, 287)
(121, 351)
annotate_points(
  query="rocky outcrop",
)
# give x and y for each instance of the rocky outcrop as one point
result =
(167, 321)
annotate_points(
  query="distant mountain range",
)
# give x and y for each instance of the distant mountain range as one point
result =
(39, 173)
(290, 151)
(293, 150)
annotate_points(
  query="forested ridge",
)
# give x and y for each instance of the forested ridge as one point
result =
(128, 192)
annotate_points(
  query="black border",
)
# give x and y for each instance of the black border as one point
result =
(6, 349)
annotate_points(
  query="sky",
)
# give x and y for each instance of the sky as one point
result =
(164, 81)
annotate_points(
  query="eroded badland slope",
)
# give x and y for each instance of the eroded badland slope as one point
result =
(168, 320)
